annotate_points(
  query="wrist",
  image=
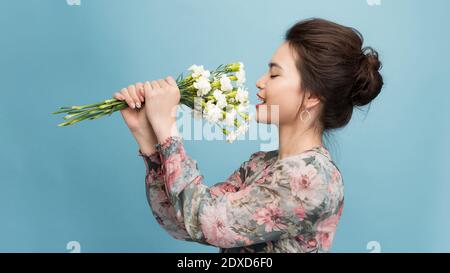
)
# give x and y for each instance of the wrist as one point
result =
(146, 141)
(165, 128)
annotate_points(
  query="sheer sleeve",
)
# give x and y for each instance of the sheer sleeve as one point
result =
(246, 214)
(161, 208)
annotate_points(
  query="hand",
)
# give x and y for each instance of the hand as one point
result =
(136, 118)
(162, 98)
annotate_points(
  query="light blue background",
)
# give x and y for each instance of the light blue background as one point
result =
(86, 183)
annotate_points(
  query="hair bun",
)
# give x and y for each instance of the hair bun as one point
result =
(369, 81)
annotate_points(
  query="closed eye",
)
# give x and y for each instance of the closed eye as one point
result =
(273, 76)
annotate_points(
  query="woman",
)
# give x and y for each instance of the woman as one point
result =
(286, 200)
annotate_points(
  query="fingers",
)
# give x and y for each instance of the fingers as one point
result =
(128, 98)
(147, 87)
(155, 85)
(134, 96)
(171, 81)
(163, 83)
(119, 96)
(140, 91)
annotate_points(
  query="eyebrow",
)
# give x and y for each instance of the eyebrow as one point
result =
(272, 64)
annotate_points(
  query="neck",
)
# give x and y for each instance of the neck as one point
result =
(294, 139)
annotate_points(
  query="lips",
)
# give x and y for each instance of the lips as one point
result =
(263, 100)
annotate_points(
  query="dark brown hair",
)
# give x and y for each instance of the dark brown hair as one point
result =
(335, 67)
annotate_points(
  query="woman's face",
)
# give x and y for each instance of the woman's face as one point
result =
(279, 89)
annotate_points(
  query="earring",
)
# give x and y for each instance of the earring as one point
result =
(301, 115)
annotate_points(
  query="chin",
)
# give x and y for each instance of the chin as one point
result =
(262, 119)
(263, 115)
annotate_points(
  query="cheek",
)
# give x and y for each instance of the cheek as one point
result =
(276, 113)
(287, 97)
(281, 109)
(288, 108)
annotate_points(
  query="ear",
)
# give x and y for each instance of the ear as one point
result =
(311, 100)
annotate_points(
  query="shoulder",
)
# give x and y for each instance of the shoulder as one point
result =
(312, 178)
(312, 165)
(258, 160)
(261, 158)
(263, 155)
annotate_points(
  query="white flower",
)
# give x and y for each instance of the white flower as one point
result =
(225, 83)
(242, 129)
(240, 75)
(203, 86)
(241, 95)
(221, 98)
(212, 112)
(231, 136)
(198, 70)
(243, 107)
(230, 117)
(206, 74)
(197, 110)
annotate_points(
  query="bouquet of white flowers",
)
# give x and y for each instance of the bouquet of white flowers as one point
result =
(211, 95)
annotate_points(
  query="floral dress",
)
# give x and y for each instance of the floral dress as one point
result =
(267, 205)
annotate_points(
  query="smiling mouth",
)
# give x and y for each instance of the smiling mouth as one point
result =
(261, 99)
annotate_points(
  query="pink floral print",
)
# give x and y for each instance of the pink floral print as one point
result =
(267, 205)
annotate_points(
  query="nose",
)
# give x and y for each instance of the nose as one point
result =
(260, 84)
